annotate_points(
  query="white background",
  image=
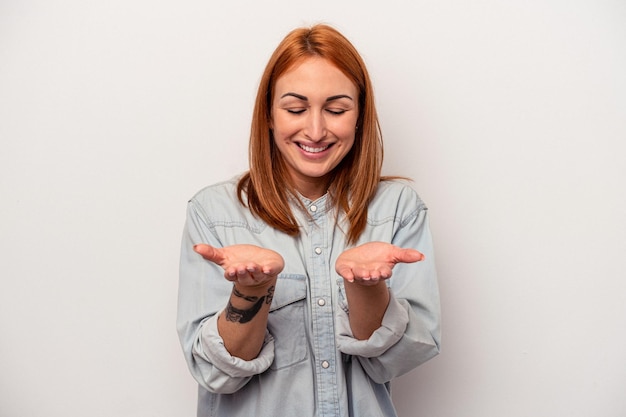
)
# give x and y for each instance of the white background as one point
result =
(509, 115)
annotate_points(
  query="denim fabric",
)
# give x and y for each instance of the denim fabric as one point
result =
(310, 364)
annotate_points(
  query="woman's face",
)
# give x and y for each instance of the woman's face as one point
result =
(314, 116)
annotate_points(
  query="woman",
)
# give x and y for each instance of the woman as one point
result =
(287, 304)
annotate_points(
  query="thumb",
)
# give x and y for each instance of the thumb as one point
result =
(209, 253)
(408, 255)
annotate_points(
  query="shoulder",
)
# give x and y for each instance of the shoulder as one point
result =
(397, 192)
(221, 191)
(396, 206)
(219, 203)
(395, 200)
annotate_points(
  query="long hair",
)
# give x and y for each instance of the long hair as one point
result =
(267, 184)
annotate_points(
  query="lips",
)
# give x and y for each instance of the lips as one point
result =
(312, 149)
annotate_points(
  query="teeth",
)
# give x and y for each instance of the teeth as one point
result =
(313, 150)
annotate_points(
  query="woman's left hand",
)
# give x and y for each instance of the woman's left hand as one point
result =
(371, 262)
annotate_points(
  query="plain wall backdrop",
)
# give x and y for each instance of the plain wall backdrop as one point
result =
(509, 115)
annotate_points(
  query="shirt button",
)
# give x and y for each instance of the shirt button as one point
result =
(325, 364)
(313, 208)
(321, 302)
(318, 250)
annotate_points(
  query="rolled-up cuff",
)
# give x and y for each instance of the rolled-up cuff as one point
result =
(211, 347)
(392, 329)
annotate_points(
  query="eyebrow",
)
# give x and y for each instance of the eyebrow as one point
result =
(305, 98)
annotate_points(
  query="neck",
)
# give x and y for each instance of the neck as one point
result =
(312, 189)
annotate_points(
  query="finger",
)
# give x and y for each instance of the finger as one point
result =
(367, 282)
(242, 270)
(345, 273)
(364, 273)
(272, 268)
(385, 272)
(234, 272)
(230, 274)
(256, 273)
(268, 270)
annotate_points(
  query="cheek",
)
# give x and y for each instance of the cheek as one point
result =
(345, 130)
(283, 127)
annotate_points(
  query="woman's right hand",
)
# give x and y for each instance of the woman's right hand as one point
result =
(247, 265)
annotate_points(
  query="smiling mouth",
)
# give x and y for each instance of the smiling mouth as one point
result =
(312, 149)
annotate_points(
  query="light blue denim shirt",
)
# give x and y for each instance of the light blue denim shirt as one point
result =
(310, 364)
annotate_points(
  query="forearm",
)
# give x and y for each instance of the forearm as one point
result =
(243, 323)
(405, 339)
(367, 305)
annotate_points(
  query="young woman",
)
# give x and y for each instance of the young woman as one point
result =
(308, 283)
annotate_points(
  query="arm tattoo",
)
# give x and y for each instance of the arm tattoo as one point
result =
(270, 295)
(245, 315)
(245, 297)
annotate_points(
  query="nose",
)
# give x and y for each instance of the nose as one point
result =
(315, 128)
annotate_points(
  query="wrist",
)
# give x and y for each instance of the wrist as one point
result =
(243, 306)
(256, 290)
(247, 294)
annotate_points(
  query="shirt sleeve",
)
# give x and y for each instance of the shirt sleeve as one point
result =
(410, 330)
(203, 292)
(388, 334)
(227, 371)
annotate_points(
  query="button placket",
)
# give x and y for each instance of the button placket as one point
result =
(321, 290)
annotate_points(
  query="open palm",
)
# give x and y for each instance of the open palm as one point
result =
(373, 261)
(249, 265)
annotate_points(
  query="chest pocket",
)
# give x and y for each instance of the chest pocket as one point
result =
(286, 321)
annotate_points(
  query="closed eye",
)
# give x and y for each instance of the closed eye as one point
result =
(295, 111)
(336, 111)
